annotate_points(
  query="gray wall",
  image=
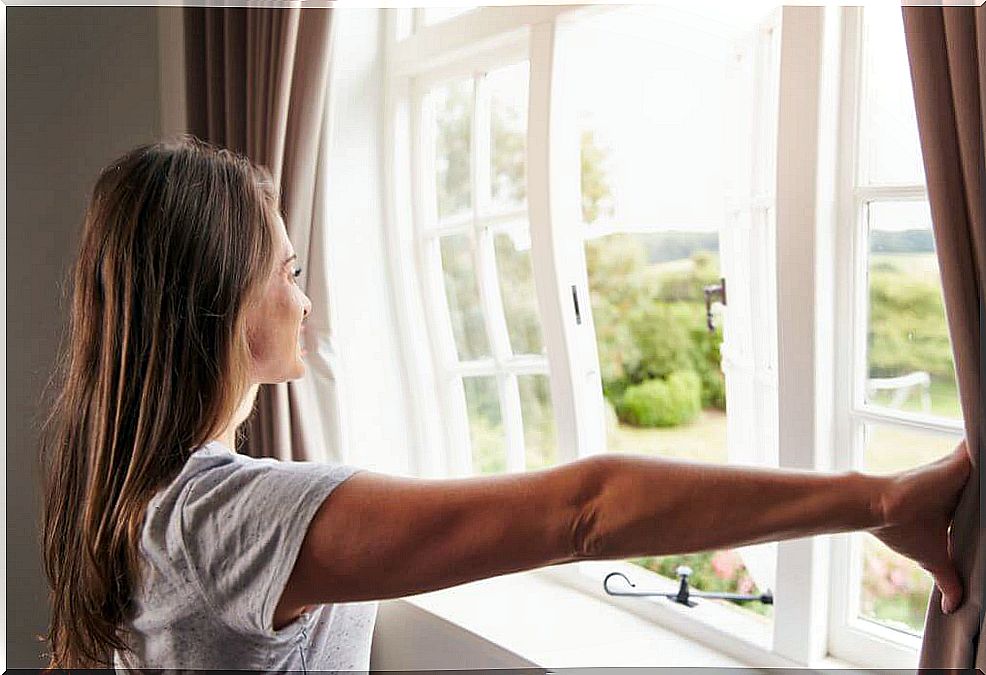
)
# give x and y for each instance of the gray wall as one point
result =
(82, 88)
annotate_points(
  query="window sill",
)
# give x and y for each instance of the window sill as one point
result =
(542, 619)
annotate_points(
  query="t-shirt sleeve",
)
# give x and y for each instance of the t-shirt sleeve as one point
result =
(242, 525)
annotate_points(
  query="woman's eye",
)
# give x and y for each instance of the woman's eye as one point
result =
(296, 272)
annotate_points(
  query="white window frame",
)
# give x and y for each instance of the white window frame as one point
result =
(851, 637)
(491, 36)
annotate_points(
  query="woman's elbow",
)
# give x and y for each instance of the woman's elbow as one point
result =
(586, 539)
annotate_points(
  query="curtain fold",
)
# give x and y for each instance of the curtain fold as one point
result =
(257, 83)
(947, 51)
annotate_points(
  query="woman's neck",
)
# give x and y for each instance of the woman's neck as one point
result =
(228, 435)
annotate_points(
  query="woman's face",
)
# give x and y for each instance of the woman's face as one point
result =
(274, 324)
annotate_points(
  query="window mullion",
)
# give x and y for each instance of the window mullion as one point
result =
(489, 285)
(510, 398)
(558, 257)
(801, 608)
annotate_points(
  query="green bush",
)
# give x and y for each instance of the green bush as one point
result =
(705, 350)
(662, 334)
(662, 403)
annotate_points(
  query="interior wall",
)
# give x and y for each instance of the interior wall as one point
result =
(82, 88)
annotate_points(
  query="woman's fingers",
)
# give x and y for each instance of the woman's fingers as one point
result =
(947, 579)
(948, 582)
(920, 509)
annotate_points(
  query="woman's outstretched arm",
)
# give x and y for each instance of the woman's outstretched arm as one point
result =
(379, 537)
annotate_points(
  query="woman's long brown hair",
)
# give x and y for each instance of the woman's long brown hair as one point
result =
(177, 240)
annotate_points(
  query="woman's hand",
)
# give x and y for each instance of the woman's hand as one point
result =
(918, 508)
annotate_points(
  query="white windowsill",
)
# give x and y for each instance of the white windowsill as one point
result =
(547, 622)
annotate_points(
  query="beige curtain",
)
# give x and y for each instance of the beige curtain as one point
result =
(257, 83)
(947, 51)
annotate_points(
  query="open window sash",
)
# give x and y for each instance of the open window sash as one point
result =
(747, 256)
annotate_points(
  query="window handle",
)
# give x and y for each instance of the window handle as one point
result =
(684, 594)
(711, 292)
(575, 301)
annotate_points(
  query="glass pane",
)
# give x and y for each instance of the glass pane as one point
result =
(540, 439)
(462, 291)
(520, 303)
(453, 104)
(508, 131)
(489, 442)
(646, 137)
(892, 448)
(889, 142)
(895, 590)
(909, 354)
(433, 15)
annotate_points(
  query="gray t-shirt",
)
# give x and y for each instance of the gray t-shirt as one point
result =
(218, 545)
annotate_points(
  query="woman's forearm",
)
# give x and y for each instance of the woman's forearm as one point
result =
(639, 506)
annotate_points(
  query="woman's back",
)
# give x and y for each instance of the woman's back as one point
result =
(217, 547)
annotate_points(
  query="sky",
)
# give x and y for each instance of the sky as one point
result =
(653, 82)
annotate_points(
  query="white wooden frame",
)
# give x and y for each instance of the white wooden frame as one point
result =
(480, 226)
(851, 637)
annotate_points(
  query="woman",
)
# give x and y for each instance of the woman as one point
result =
(167, 549)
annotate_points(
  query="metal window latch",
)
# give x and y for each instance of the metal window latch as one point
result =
(684, 593)
(710, 293)
(575, 301)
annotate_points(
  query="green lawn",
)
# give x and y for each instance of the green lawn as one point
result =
(703, 440)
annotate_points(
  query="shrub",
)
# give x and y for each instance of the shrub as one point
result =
(662, 403)
(708, 362)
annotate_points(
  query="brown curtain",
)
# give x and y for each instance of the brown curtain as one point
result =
(257, 82)
(947, 51)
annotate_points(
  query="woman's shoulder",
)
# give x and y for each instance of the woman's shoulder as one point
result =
(216, 482)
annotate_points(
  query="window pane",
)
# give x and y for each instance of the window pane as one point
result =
(539, 422)
(909, 353)
(453, 104)
(489, 442)
(508, 141)
(520, 303)
(895, 590)
(646, 136)
(891, 448)
(890, 149)
(462, 291)
(433, 15)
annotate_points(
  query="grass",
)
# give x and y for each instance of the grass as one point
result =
(917, 266)
(704, 440)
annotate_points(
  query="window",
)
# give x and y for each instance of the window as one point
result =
(580, 176)
(475, 241)
(663, 180)
(899, 405)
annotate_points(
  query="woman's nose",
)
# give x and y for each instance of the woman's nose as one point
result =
(307, 306)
